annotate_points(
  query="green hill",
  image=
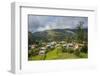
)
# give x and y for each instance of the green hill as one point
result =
(55, 35)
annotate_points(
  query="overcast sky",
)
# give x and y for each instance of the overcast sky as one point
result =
(41, 23)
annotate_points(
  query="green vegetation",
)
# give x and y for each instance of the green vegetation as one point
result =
(58, 44)
(58, 53)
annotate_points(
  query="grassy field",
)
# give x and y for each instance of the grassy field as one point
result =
(58, 54)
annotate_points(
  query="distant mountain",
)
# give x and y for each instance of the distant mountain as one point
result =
(55, 34)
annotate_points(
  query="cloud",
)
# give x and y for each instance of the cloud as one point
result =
(41, 23)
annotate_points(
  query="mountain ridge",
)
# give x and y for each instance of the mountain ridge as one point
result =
(55, 34)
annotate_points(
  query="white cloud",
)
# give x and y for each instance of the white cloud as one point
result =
(41, 23)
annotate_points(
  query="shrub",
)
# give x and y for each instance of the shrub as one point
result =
(34, 51)
(84, 49)
(70, 50)
(83, 55)
(64, 49)
(77, 52)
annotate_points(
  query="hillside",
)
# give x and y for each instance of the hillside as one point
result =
(56, 34)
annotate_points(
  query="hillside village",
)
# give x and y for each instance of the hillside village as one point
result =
(62, 46)
(64, 43)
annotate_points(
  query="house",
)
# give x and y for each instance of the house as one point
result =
(42, 51)
(70, 45)
(48, 46)
(64, 45)
(81, 45)
(62, 42)
(53, 43)
(57, 45)
(76, 46)
(33, 46)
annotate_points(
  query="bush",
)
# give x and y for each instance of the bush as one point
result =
(83, 55)
(77, 52)
(64, 49)
(34, 52)
(70, 50)
(84, 49)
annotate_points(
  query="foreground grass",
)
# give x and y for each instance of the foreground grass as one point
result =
(83, 55)
(58, 54)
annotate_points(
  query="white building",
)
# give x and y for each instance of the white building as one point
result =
(42, 51)
(33, 46)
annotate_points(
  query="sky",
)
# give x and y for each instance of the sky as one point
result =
(42, 22)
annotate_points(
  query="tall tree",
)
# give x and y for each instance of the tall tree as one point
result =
(30, 38)
(80, 32)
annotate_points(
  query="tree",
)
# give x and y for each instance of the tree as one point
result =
(84, 48)
(30, 38)
(80, 32)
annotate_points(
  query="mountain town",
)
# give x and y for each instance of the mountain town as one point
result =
(58, 44)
